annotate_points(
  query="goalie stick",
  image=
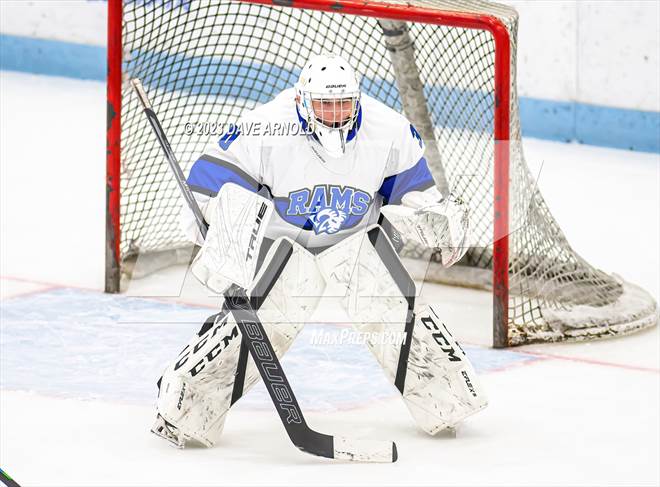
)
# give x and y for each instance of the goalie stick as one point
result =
(6, 480)
(260, 348)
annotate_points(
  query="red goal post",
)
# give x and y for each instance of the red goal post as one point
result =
(540, 286)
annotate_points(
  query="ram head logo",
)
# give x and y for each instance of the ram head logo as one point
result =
(328, 220)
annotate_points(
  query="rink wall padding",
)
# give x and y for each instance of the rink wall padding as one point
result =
(545, 119)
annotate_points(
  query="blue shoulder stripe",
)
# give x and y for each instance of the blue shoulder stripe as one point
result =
(417, 178)
(209, 173)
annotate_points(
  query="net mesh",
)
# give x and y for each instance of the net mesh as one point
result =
(206, 63)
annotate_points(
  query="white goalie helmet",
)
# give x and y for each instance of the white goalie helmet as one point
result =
(328, 101)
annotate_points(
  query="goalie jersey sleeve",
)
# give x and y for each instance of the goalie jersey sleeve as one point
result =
(234, 158)
(407, 169)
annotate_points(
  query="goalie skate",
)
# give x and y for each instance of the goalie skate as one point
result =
(168, 432)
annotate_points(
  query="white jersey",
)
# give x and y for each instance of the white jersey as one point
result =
(319, 200)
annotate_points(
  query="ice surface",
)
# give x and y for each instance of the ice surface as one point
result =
(86, 344)
(77, 367)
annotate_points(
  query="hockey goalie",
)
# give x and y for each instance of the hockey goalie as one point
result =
(311, 195)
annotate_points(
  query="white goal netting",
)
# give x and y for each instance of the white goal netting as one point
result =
(204, 63)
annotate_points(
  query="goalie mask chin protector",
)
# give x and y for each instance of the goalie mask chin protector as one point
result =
(328, 102)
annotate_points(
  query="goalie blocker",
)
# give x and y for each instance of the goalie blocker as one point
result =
(431, 371)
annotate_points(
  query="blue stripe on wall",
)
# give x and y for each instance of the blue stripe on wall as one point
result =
(54, 58)
(545, 119)
(615, 127)
(555, 119)
(619, 128)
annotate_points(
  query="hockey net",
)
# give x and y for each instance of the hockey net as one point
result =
(448, 65)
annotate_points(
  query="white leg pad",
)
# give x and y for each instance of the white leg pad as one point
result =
(196, 390)
(440, 388)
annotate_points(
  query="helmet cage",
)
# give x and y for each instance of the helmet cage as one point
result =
(324, 114)
(333, 111)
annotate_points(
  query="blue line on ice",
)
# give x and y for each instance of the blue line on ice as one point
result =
(90, 345)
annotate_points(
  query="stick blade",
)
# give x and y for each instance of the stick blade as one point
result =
(364, 450)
